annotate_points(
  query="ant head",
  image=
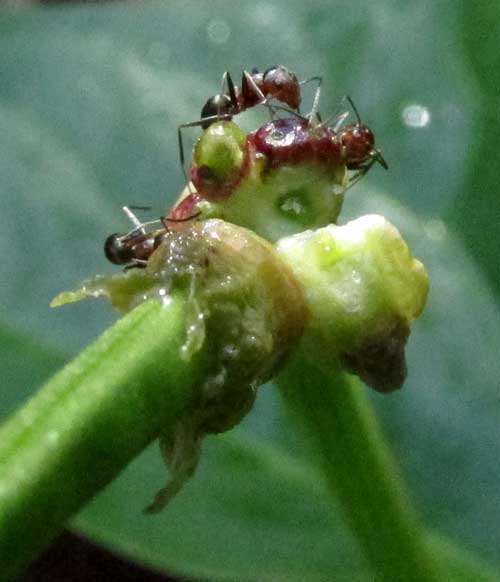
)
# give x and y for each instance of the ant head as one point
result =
(359, 144)
(116, 250)
(216, 105)
(359, 147)
(280, 83)
(358, 141)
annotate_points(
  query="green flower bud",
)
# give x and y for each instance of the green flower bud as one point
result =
(218, 158)
(237, 183)
(363, 290)
(244, 313)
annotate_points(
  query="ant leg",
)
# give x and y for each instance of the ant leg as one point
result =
(314, 110)
(139, 226)
(251, 85)
(338, 116)
(228, 80)
(181, 156)
(150, 222)
(199, 122)
(136, 264)
(339, 121)
(165, 219)
(362, 171)
(357, 177)
(277, 107)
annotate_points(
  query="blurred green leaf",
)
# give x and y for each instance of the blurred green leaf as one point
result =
(475, 213)
(90, 98)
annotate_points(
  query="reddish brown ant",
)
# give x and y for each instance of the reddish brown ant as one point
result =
(293, 140)
(134, 248)
(276, 83)
(358, 143)
(256, 88)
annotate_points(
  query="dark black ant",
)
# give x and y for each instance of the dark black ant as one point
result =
(134, 248)
(276, 83)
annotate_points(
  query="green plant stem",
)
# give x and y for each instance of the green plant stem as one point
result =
(87, 423)
(359, 470)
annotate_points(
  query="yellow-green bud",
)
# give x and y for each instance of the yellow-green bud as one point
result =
(218, 158)
(363, 290)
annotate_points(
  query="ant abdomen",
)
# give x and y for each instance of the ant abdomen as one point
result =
(279, 83)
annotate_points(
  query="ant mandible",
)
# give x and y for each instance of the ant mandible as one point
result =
(257, 88)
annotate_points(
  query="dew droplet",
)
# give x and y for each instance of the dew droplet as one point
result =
(218, 31)
(416, 116)
(435, 229)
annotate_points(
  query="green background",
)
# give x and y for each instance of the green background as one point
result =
(90, 98)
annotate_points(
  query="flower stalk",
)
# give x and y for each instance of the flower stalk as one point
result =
(88, 422)
(359, 470)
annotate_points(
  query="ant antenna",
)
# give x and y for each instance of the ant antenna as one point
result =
(354, 108)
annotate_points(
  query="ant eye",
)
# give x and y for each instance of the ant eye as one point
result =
(216, 105)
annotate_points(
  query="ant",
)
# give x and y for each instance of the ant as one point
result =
(134, 248)
(257, 88)
(358, 146)
(292, 140)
